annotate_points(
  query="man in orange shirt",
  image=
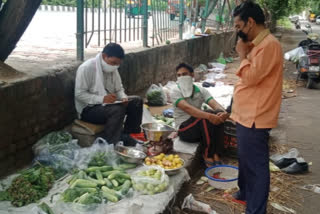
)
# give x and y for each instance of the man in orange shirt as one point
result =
(256, 103)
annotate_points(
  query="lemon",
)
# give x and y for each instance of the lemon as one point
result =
(176, 156)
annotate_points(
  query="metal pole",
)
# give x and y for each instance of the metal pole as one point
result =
(80, 46)
(181, 16)
(204, 21)
(145, 23)
(221, 14)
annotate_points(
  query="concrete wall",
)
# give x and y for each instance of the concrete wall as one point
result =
(31, 108)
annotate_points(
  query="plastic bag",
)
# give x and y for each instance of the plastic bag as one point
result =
(156, 96)
(57, 150)
(150, 180)
(295, 54)
(168, 88)
(101, 150)
(52, 143)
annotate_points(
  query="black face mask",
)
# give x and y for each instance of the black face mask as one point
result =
(243, 36)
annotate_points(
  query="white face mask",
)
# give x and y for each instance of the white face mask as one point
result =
(108, 68)
(186, 85)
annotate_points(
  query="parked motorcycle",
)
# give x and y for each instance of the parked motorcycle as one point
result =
(309, 64)
(297, 24)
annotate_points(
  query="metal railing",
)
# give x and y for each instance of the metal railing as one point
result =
(125, 21)
(138, 22)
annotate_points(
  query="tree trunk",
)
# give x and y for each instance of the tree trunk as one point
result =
(18, 13)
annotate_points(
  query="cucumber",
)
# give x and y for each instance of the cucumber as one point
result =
(106, 174)
(99, 175)
(125, 187)
(119, 175)
(111, 191)
(121, 180)
(118, 188)
(127, 166)
(100, 168)
(110, 197)
(73, 179)
(92, 174)
(108, 182)
(98, 182)
(82, 175)
(83, 184)
(114, 182)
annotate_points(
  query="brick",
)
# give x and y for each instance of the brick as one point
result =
(22, 144)
(12, 148)
(22, 133)
(5, 141)
(6, 166)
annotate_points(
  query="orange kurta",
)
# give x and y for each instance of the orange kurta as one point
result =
(258, 93)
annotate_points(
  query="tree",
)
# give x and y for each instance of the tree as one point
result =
(19, 14)
(282, 8)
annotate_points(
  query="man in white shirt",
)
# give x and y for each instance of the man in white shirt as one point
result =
(100, 96)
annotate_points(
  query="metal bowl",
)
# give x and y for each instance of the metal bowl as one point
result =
(130, 155)
(156, 131)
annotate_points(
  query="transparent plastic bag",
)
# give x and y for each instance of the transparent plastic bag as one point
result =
(295, 54)
(101, 150)
(74, 208)
(156, 96)
(52, 143)
(57, 150)
(168, 89)
(150, 180)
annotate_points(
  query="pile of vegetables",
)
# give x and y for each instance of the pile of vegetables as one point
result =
(30, 186)
(165, 161)
(150, 181)
(166, 120)
(156, 96)
(98, 183)
(52, 142)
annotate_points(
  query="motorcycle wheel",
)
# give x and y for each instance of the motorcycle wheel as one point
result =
(310, 83)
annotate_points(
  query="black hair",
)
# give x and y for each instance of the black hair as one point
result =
(113, 50)
(186, 66)
(249, 9)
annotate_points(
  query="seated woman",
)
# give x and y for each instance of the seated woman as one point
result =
(193, 124)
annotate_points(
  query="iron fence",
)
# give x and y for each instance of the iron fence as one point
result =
(139, 22)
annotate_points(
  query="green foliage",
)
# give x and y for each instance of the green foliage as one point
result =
(32, 185)
(285, 23)
(70, 3)
(159, 5)
(315, 6)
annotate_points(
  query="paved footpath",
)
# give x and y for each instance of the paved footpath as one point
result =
(300, 126)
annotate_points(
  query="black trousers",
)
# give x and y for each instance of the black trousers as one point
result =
(112, 116)
(210, 136)
(254, 174)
